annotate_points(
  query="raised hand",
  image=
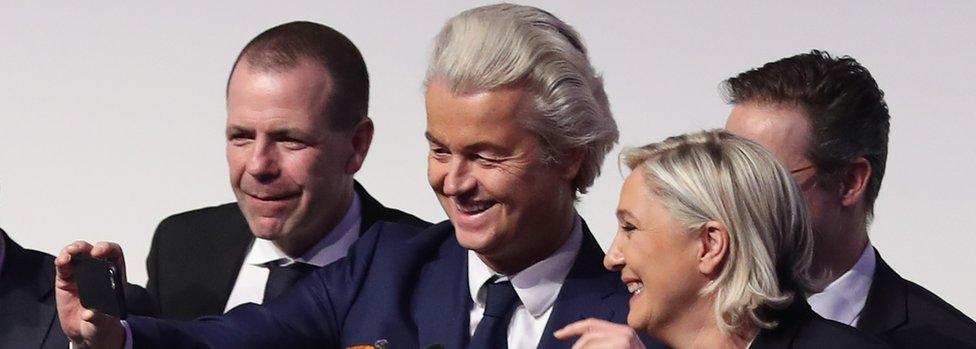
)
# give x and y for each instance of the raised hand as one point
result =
(86, 328)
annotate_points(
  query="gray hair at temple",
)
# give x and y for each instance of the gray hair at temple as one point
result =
(506, 45)
(716, 176)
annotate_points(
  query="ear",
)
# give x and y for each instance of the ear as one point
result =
(571, 164)
(714, 250)
(362, 136)
(855, 181)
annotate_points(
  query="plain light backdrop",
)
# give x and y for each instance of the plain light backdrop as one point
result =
(112, 113)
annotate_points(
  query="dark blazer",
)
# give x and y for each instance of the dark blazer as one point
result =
(799, 327)
(195, 256)
(407, 288)
(906, 315)
(28, 317)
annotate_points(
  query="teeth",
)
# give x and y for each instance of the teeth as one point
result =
(635, 287)
(474, 208)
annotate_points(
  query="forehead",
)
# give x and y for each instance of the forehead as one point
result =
(489, 115)
(297, 94)
(782, 129)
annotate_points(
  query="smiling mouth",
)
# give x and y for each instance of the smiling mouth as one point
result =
(473, 208)
(276, 197)
(635, 287)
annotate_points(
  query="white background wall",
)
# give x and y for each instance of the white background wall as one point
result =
(111, 113)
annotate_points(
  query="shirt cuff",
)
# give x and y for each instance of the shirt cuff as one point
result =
(128, 335)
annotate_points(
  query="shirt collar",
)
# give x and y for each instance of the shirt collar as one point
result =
(538, 285)
(843, 299)
(329, 249)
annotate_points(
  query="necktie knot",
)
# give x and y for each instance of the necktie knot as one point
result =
(501, 299)
(500, 303)
(282, 277)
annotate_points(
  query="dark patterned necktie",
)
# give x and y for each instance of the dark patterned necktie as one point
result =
(492, 331)
(281, 278)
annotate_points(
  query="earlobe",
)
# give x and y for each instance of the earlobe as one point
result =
(855, 181)
(362, 136)
(714, 239)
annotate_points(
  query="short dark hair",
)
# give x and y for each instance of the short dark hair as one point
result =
(845, 108)
(287, 45)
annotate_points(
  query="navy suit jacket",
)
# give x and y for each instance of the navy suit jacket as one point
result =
(407, 288)
(28, 318)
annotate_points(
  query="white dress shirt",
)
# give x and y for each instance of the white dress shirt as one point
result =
(537, 288)
(249, 287)
(843, 299)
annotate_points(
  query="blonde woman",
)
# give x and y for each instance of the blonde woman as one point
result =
(715, 247)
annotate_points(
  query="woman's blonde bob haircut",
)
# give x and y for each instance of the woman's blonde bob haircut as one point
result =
(716, 176)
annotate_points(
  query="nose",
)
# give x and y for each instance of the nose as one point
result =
(458, 179)
(614, 260)
(262, 164)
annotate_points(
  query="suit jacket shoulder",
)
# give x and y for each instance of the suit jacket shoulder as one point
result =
(196, 255)
(906, 315)
(194, 260)
(28, 317)
(799, 328)
(374, 212)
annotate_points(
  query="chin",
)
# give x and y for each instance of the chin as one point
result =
(266, 228)
(477, 241)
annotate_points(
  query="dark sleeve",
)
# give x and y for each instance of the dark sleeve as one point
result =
(308, 315)
(152, 262)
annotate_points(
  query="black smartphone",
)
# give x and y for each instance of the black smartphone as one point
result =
(100, 286)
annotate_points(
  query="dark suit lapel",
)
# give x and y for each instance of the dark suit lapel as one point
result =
(26, 308)
(372, 210)
(886, 305)
(232, 247)
(584, 293)
(442, 300)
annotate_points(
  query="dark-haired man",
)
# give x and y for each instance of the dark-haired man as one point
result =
(826, 119)
(296, 132)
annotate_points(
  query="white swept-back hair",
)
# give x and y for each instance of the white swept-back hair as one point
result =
(716, 176)
(504, 45)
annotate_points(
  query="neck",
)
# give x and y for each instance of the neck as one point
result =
(546, 238)
(840, 250)
(698, 328)
(299, 243)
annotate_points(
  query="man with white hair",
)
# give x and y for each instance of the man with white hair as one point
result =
(518, 125)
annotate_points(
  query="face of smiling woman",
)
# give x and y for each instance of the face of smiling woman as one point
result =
(488, 174)
(657, 258)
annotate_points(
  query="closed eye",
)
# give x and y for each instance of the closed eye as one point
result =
(627, 228)
(240, 138)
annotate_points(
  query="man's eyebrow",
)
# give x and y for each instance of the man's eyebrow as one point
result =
(237, 129)
(290, 132)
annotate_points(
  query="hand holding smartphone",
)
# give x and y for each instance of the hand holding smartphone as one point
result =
(100, 286)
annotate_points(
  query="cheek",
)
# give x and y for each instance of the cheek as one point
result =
(236, 159)
(435, 174)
